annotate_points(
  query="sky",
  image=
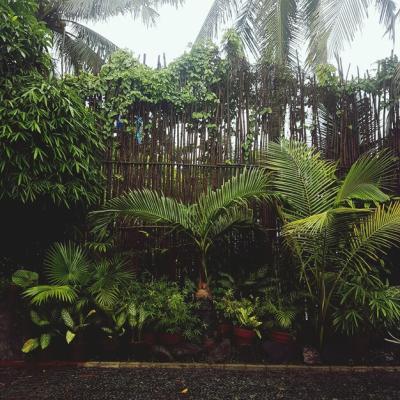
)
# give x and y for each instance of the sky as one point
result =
(176, 28)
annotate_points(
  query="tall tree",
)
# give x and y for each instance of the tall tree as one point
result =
(80, 47)
(275, 27)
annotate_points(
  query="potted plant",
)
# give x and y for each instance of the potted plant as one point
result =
(280, 311)
(244, 315)
(173, 311)
(247, 324)
(225, 308)
(77, 320)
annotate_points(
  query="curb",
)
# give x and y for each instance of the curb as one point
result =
(223, 367)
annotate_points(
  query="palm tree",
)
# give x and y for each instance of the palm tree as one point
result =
(73, 278)
(335, 229)
(215, 212)
(80, 47)
(275, 28)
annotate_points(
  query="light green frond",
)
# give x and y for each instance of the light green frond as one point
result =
(42, 294)
(374, 237)
(247, 186)
(367, 177)
(317, 223)
(305, 181)
(231, 217)
(145, 205)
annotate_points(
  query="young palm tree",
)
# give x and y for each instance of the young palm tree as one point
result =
(79, 46)
(215, 212)
(276, 27)
(73, 278)
(335, 229)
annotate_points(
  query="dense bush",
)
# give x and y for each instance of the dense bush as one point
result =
(49, 142)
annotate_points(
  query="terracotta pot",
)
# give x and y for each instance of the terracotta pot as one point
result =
(281, 337)
(224, 329)
(169, 339)
(139, 350)
(78, 349)
(109, 348)
(209, 344)
(242, 336)
(150, 338)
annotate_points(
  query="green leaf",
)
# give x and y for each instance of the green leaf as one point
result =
(30, 345)
(45, 340)
(69, 336)
(24, 278)
(37, 320)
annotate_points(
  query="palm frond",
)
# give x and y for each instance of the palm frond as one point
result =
(278, 30)
(306, 182)
(95, 10)
(340, 21)
(145, 205)
(387, 15)
(373, 237)
(231, 217)
(44, 293)
(220, 12)
(250, 185)
(317, 223)
(367, 177)
(108, 277)
(66, 264)
(246, 25)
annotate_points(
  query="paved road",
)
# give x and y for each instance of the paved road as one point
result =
(163, 384)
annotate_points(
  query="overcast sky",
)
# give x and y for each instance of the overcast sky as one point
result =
(176, 28)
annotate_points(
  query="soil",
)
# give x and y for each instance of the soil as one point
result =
(202, 384)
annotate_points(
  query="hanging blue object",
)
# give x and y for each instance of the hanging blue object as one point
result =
(118, 122)
(139, 130)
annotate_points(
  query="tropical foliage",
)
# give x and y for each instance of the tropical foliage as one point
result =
(337, 230)
(215, 212)
(48, 137)
(78, 46)
(275, 28)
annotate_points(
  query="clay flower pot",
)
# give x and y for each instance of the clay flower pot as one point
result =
(169, 339)
(150, 338)
(224, 329)
(281, 337)
(242, 336)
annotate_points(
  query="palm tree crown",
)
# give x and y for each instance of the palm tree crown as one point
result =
(275, 27)
(80, 47)
(215, 212)
(337, 230)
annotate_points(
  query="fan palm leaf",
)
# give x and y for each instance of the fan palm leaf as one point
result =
(108, 277)
(66, 264)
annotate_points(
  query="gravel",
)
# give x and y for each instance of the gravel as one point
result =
(160, 384)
